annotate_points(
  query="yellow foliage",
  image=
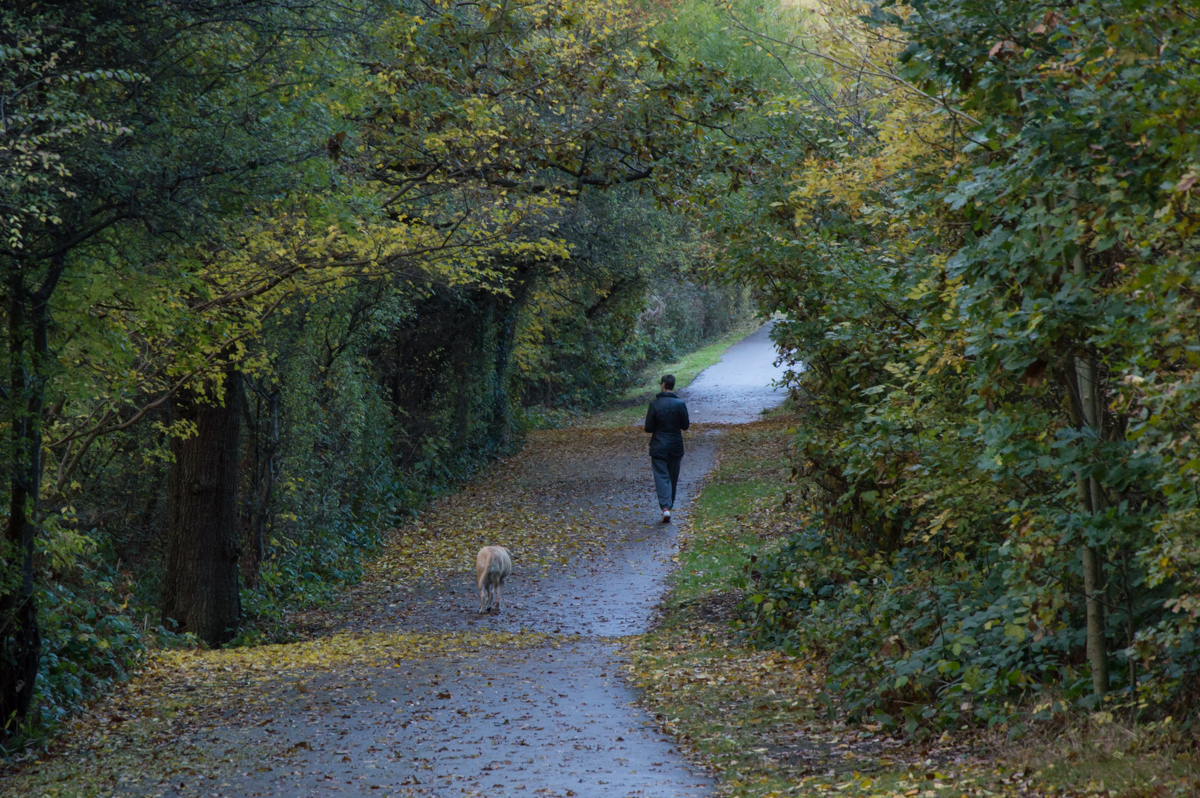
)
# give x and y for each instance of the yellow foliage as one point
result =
(371, 649)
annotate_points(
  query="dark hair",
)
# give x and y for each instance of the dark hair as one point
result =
(668, 381)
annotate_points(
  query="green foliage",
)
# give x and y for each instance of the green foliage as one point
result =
(632, 297)
(386, 218)
(910, 643)
(93, 633)
(706, 32)
(988, 268)
(89, 642)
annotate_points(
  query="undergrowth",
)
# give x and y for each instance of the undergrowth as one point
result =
(779, 711)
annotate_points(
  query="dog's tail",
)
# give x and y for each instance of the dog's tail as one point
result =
(493, 564)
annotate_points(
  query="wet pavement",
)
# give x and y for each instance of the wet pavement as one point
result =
(738, 388)
(534, 722)
(611, 594)
(554, 719)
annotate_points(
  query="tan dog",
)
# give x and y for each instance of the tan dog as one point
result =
(492, 567)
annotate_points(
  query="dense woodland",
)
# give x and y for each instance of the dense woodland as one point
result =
(986, 250)
(275, 272)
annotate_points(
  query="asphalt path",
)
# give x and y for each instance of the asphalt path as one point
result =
(550, 720)
(741, 386)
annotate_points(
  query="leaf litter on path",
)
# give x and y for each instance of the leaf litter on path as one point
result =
(563, 498)
(213, 718)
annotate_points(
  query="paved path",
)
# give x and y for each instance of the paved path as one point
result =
(737, 389)
(551, 720)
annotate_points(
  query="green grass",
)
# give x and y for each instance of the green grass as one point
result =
(631, 405)
(690, 366)
(729, 703)
(738, 513)
(734, 706)
(719, 564)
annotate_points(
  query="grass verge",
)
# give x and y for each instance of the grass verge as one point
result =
(763, 721)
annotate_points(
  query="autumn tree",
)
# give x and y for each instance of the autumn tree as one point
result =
(984, 258)
(256, 161)
(103, 194)
(42, 113)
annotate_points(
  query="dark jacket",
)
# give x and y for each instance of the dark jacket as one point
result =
(667, 418)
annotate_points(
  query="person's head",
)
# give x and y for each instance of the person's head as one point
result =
(668, 382)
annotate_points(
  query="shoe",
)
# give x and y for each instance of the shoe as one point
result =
(666, 516)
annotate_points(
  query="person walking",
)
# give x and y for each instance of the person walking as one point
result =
(666, 418)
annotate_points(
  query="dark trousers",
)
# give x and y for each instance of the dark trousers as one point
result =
(666, 479)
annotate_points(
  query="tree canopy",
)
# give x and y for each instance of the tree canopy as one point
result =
(244, 241)
(275, 272)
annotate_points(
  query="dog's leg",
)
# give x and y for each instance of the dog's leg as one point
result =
(482, 596)
(499, 590)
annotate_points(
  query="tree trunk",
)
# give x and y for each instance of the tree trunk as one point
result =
(500, 426)
(262, 466)
(203, 547)
(1092, 498)
(20, 638)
